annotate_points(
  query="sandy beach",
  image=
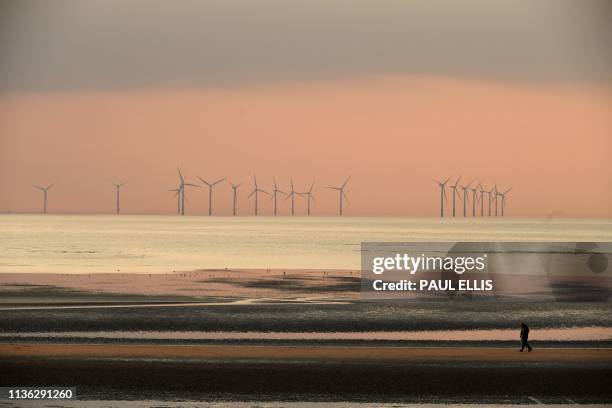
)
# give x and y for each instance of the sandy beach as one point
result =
(291, 335)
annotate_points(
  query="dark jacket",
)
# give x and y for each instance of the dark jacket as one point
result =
(524, 332)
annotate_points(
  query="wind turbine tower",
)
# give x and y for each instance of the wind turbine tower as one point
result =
(474, 200)
(442, 194)
(489, 207)
(465, 198)
(291, 195)
(481, 199)
(455, 193)
(117, 193)
(275, 192)
(235, 193)
(495, 193)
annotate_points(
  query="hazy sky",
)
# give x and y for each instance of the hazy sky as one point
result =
(394, 92)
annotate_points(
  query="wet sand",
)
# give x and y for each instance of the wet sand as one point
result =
(295, 302)
(232, 352)
(220, 284)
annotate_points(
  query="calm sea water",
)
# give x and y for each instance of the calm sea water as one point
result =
(150, 243)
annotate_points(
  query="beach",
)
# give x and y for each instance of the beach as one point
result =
(301, 334)
(294, 345)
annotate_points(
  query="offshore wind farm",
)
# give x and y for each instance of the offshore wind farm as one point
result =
(460, 194)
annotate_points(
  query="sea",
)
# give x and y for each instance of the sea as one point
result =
(159, 243)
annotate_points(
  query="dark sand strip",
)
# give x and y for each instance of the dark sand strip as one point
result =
(333, 380)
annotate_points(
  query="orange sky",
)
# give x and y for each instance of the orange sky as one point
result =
(395, 134)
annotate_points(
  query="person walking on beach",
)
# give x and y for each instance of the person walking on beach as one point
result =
(524, 337)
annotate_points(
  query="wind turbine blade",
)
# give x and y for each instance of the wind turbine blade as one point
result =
(38, 187)
(51, 185)
(347, 180)
(313, 198)
(192, 185)
(203, 181)
(446, 181)
(218, 181)
(253, 192)
(179, 172)
(345, 196)
(311, 187)
(264, 191)
(507, 191)
(458, 179)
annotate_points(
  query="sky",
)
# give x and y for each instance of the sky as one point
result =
(394, 93)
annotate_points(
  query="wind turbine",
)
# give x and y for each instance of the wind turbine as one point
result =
(474, 200)
(489, 208)
(275, 192)
(182, 186)
(341, 193)
(292, 194)
(495, 192)
(308, 194)
(118, 191)
(455, 192)
(256, 190)
(481, 199)
(442, 194)
(234, 190)
(210, 187)
(503, 196)
(44, 190)
(465, 197)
